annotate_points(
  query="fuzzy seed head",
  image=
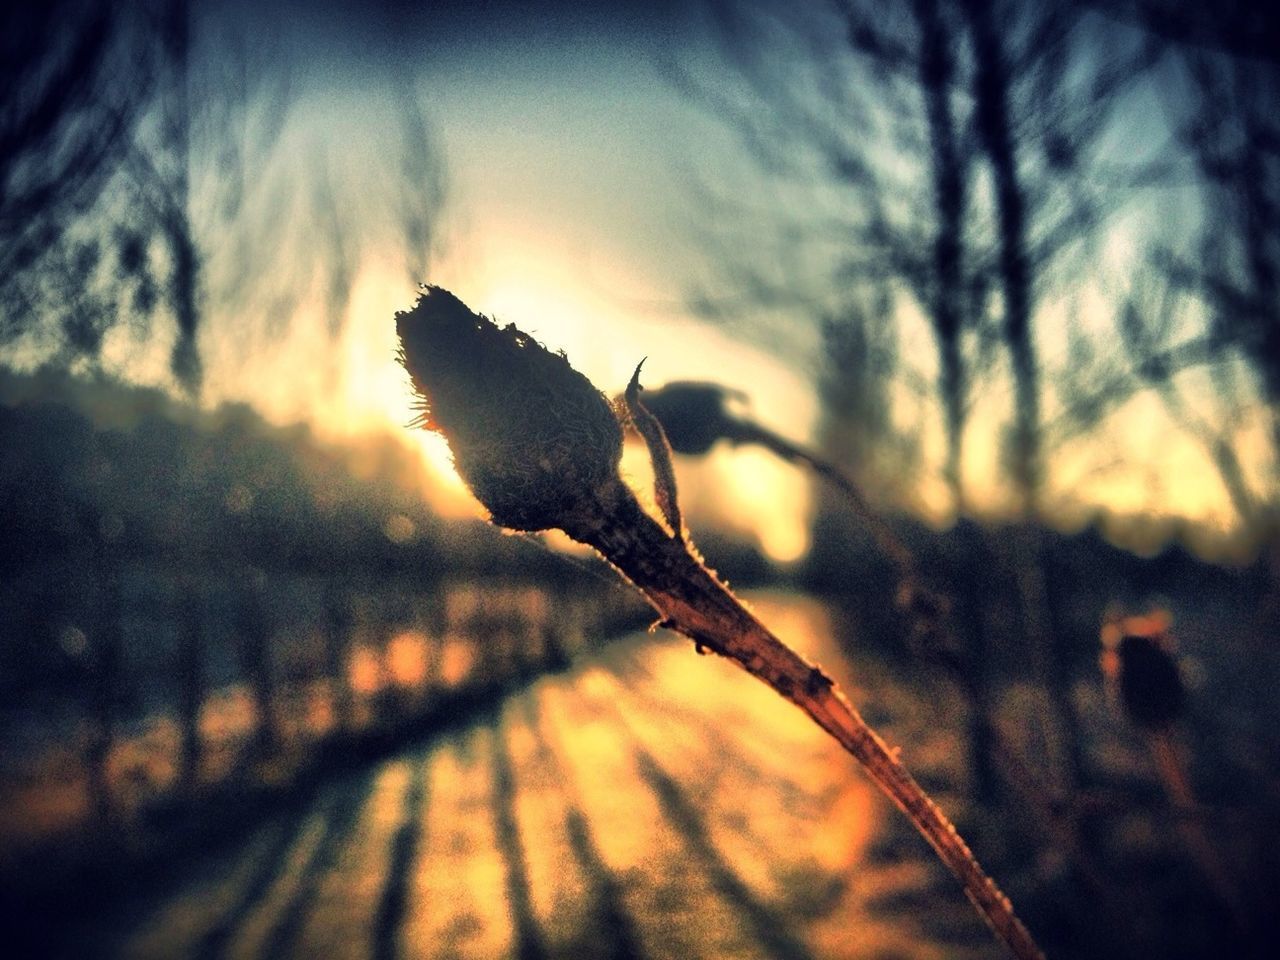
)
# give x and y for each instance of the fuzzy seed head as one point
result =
(532, 438)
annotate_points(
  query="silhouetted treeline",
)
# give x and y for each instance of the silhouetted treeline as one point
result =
(1015, 224)
(143, 192)
(203, 615)
(231, 488)
(141, 537)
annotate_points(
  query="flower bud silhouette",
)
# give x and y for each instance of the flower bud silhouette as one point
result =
(1138, 660)
(540, 447)
(693, 415)
(532, 438)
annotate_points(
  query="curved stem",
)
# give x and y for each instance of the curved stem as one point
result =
(1191, 828)
(888, 541)
(693, 602)
(931, 619)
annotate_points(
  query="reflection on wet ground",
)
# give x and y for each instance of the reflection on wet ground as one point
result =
(649, 803)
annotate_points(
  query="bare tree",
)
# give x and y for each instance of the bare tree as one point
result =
(951, 159)
(1046, 84)
(1233, 134)
(1158, 361)
(925, 54)
(75, 84)
(1235, 27)
(833, 114)
(217, 114)
(1212, 304)
(103, 151)
(153, 175)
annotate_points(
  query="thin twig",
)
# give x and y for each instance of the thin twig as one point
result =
(693, 602)
(929, 610)
(1191, 827)
(886, 539)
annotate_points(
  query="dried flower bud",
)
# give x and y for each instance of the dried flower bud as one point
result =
(1138, 659)
(540, 447)
(532, 438)
(693, 415)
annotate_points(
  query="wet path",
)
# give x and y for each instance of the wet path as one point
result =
(648, 804)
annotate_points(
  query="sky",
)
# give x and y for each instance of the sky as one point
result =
(568, 160)
(574, 177)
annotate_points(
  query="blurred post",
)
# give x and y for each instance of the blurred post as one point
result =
(338, 627)
(191, 678)
(105, 653)
(253, 631)
(975, 668)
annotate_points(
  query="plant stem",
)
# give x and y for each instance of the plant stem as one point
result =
(1191, 829)
(886, 539)
(692, 601)
(1061, 825)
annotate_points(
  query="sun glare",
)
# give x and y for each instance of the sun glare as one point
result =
(571, 296)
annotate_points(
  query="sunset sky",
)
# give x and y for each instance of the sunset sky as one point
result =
(570, 163)
(576, 177)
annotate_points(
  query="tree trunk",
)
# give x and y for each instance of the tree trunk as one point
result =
(937, 70)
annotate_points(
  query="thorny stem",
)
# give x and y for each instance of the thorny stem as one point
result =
(926, 607)
(692, 601)
(540, 446)
(886, 539)
(1017, 774)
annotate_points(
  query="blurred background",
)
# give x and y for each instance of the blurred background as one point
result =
(964, 320)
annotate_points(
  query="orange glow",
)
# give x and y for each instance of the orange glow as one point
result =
(759, 484)
(399, 528)
(450, 496)
(756, 766)
(841, 838)
(29, 811)
(372, 393)
(320, 716)
(525, 275)
(460, 602)
(365, 670)
(466, 603)
(456, 661)
(1154, 623)
(227, 714)
(460, 878)
(407, 658)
